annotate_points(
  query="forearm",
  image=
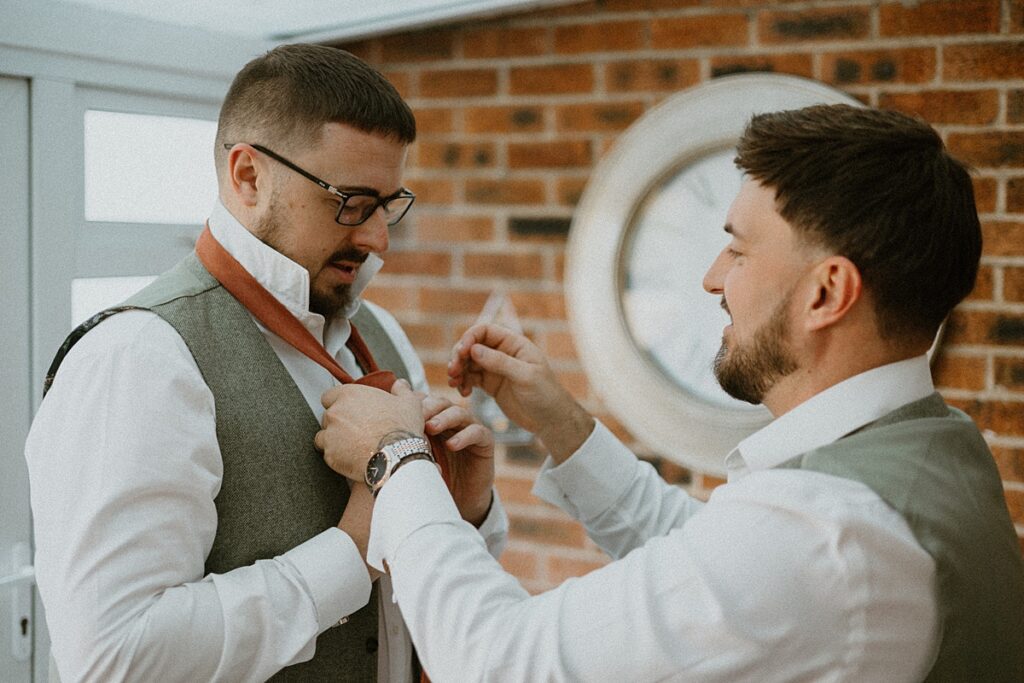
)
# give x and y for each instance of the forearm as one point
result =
(620, 500)
(112, 622)
(563, 433)
(472, 621)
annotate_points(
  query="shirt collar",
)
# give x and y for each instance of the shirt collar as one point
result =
(278, 274)
(832, 414)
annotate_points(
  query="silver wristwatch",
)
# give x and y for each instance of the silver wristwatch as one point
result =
(383, 463)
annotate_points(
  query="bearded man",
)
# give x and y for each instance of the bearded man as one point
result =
(862, 535)
(186, 527)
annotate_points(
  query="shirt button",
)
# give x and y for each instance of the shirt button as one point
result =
(371, 645)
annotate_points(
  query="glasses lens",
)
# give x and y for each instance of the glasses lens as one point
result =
(395, 209)
(356, 209)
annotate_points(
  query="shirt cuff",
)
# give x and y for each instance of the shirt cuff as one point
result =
(593, 479)
(414, 497)
(334, 573)
(494, 528)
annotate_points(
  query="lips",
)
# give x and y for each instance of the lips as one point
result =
(346, 264)
(346, 270)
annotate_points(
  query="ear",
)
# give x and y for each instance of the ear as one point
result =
(243, 174)
(837, 286)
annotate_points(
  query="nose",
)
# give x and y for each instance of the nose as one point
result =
(714, 278)
(372, 235)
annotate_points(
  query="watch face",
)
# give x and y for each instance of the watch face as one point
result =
(376, 468)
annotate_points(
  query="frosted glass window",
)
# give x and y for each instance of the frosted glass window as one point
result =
(91, 295)
(148, 169)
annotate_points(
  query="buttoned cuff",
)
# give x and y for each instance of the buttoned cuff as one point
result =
(414, 497)
(593, 479)
(334, 572)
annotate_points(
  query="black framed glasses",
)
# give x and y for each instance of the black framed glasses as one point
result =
(354, 208)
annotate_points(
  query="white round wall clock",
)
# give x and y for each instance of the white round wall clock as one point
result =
(648, 226)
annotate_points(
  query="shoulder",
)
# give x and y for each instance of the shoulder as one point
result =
(131, 347)
(843, 568)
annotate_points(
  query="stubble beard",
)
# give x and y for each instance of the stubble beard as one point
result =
(749, 372)
(271, 229)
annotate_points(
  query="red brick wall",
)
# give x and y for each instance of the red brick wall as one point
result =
(515, 111)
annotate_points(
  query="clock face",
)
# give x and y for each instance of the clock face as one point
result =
(647, 228)
(672, 240)
(376, 468)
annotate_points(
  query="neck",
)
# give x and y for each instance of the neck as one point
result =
(832, 364)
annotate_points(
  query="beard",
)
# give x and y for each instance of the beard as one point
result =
(748, 372)
(272, 228)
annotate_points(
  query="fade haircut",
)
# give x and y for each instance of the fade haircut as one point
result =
(283, 98)
(880, 189)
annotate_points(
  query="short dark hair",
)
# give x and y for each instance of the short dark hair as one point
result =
(283, 98)
(879, 188)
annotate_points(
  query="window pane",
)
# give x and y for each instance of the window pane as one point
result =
(91, 295)
(148, 169)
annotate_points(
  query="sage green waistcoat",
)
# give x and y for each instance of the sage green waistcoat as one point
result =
(276, 490)
(929, 463)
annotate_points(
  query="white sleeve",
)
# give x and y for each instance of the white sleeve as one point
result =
(620, 500)
(124, 467)
(764, 584)
(494, 528)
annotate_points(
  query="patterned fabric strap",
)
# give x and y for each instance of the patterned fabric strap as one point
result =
(77, 334)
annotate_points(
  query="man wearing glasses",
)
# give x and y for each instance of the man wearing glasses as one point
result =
(186, 527)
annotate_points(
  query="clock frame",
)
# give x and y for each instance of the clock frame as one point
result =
(663, 409)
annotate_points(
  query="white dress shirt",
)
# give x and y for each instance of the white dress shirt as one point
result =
(783, 575)
(124, 467)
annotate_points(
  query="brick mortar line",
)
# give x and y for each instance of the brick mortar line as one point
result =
(474, 248)
(822, 46)
(523, 545)
(574, 553)
(1000, 351)
(1012, 307)
(1006, 441)
(989, 395)
(1003, 261)
(462, 321)
(523, 285)
(522, 20)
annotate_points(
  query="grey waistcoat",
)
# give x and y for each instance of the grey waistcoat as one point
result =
(929, 463)
(276, 490)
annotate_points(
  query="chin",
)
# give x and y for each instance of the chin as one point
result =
(330, 303)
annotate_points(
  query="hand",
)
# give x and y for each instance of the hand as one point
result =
(355, 520)
(360, 419)
(470, 452)
(509, 367)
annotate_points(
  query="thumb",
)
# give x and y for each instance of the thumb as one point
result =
(401, 388)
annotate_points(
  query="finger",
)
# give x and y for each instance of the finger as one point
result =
(432, 405)
(474, 436)
(401, 388)
(331, 395)
(452, 417)
(500, 363)
(488, 334)
(318, 440)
